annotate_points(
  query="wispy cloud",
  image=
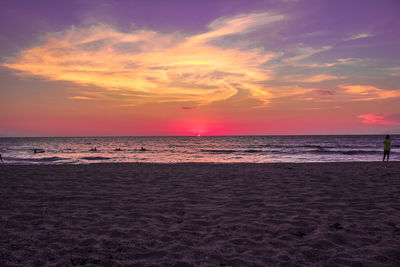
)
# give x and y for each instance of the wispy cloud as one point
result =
(337, 62)
(239, 24)
(314, 78)
(302, 52)
(394, 71)
(323, 92)
(288, 91)
(313, 34)
(358, 36)
(368, 92)
(380, 119)
(81, 98)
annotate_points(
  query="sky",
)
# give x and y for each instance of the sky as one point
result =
(271, 67)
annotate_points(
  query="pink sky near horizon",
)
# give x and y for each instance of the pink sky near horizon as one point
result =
(250, 72)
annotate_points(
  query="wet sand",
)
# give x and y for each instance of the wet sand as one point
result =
(306, 214)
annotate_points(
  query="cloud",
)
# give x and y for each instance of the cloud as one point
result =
(239, 24)
(323, 92)
(313, 34)
(394, 71)
(302, 52)
(314, 78)
(380, 119)
(81, 98)
(156, 67)
(287, 91)
(337, 62)
(368, 92)
(186, 108)
(147, 66)
(358, 36)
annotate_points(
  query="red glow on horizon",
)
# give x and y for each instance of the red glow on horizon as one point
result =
(198, 127)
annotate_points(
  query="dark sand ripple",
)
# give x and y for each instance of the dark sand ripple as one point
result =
(328, 214)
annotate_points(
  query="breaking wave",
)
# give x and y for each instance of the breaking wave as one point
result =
(230, 151)
(95, 158)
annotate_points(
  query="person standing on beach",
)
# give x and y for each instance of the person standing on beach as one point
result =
(386, 147)
(1, 159)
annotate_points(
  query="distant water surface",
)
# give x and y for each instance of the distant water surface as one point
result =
(226, 149)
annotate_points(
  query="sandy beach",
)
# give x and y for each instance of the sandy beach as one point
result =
(328, 214)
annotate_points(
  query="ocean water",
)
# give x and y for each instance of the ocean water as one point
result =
(216, 149)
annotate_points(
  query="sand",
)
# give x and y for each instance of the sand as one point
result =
(328, 214)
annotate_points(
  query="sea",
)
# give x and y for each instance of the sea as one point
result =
(181, 149)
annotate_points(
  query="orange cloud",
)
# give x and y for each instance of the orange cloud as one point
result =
(146, 66)
(155, 67)
(381, 119)
(81, 98)
(367, 92)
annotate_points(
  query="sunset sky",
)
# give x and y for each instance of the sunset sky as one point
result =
(97, 67)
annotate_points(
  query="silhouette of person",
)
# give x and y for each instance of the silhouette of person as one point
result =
(1, 159)
(386, 147)
(143, 149)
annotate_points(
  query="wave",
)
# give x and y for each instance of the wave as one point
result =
(51, 159)
(359, 152)
(45, 159)
(221, 151)
(320, 147)
(317, 146)
(344, 152)
(229, 151)
(252, 151)
(95, 158)
(322, 151)
(319, 150)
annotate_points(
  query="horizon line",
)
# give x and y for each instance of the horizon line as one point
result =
(92, 136)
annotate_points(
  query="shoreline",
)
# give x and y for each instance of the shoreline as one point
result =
(198, 163)
(200, 214)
